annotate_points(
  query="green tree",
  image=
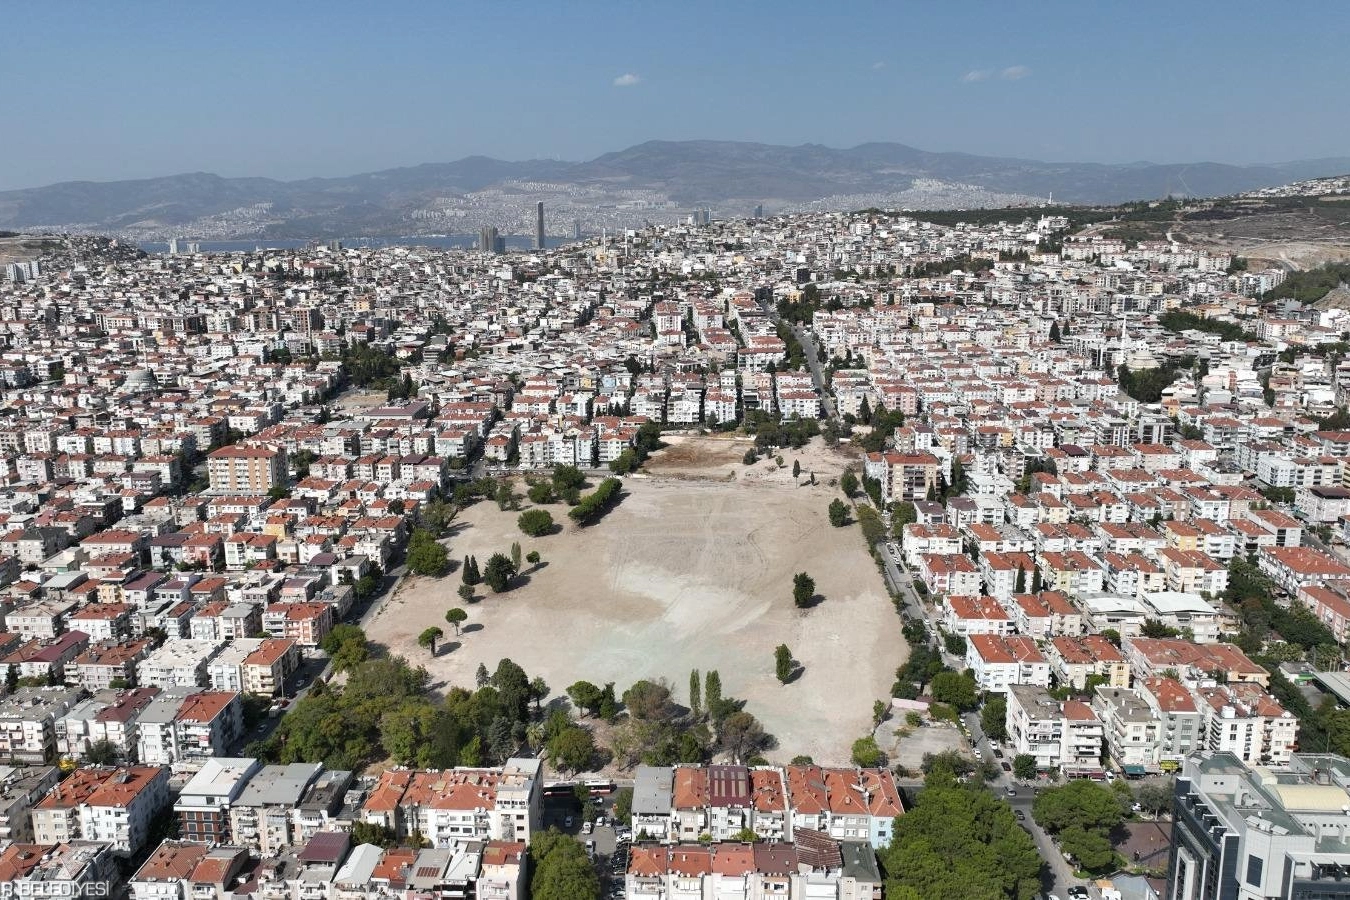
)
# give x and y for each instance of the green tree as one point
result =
(712, 692)
(426, 555)
(623, 804)
(1156, 796)
(571, 749)
(838, 513)
(102, 752)
(956, 688)
(648, 700)
(1024, 766)
(515, 557)
(695, 694)
(803, 590)
(499, 572)
(866, 753)
(538, 691)
(993, 717)
(560, 869)
(542, 492)
(585, 696)
(1090, 849)
(742, 736)
(796, 469)
(456, 616)
(848, 483)
(783, 663)
(429, 637)
(466, 593)
(1079, 803)
(535, 522)
(373, 833)
(958, 840)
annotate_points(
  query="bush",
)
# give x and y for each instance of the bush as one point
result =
(535, 522)
(597, 503)
(866, 753)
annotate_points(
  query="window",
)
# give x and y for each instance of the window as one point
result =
(1254, 866)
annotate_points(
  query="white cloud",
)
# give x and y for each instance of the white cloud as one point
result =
(1012, 73)
(975, 75)
(878, 66)
(627, 79)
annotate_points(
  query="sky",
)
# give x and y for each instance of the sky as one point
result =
(107, 91)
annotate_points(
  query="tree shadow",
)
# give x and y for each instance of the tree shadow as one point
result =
(519, 581)
(797, 672)
(535, 567)
(816, 600)
(471, 628)
(447, 647)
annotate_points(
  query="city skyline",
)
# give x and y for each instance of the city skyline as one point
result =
(361, 94)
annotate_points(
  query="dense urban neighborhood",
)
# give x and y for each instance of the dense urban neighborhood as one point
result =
(824, 555)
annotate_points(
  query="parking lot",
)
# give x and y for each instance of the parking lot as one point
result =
(606, 846)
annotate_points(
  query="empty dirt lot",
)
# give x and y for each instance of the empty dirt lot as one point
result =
(690, 571)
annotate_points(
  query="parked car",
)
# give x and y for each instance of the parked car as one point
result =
(1006, 767)
(1012, 791)
(586, 827)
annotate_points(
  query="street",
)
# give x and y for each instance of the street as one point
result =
(1057, 876)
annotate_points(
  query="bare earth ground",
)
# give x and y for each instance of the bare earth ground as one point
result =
(689, 571)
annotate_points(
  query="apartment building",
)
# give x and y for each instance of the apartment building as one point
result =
(246, 470)
(1000, 662)
(1062, 735)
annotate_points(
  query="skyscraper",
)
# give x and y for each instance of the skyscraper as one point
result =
(576, 229)
(759, 210)
(539, 225)
(487, 239)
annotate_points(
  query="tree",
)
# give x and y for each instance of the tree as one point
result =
(956, 688)
(958, 840)
(648, 700)
(535, 522)
(1080, 803)
(429, 637)
(560, 870)
(712, 692)
(783, 663)
(541, 492)
(571, 749)
(993, 717)
(1111, 635)
(373, 833)
(1024, 766)
(803, 590)
(796, 469)
(1054, 332)
(1090, 849)
(623, 804)
(1156, 796)
(742, 735)
(866, 753)
(902, 514)
(466, 593)
(470, 574)
(585, 696)
(426, 555)
(456, 616)
(499, 573)
(848, 483)
(695, 694)
(515, 557)
(838, 513)
(102, 752)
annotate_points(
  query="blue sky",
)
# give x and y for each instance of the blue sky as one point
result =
(283, 89)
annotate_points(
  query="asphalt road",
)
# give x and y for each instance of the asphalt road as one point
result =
(808, 342)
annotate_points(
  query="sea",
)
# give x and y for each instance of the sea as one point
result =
(439, 241)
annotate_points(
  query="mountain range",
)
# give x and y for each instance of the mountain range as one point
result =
(666, 176)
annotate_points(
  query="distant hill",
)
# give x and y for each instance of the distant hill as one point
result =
(722, 175)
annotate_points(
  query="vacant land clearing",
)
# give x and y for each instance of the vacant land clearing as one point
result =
(689, 571)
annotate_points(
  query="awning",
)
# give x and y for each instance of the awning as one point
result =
(1134, 770)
